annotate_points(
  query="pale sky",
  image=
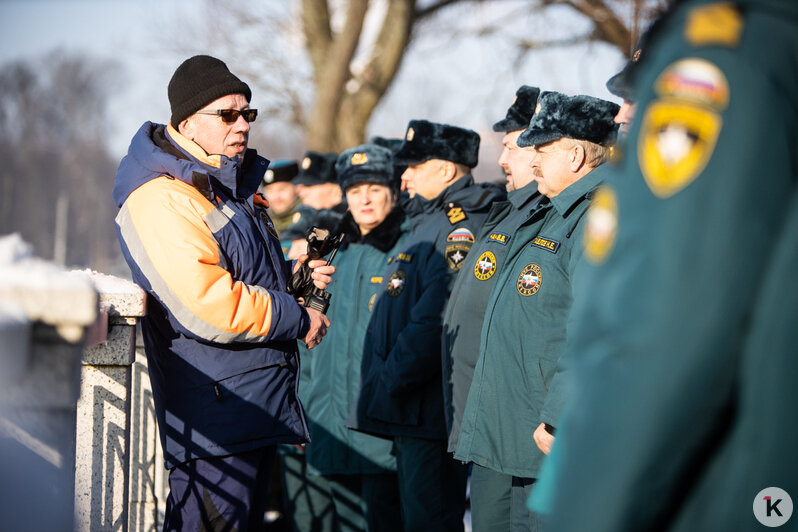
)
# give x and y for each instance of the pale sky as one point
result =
(470, 84)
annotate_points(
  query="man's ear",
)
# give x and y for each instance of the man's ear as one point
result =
(576, 158)
(448, 171)
(187, 128)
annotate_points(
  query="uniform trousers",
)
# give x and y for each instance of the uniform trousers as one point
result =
(220, 493)
(432, 485)
(498, 502)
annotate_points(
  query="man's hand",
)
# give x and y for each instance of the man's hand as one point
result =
(321, 273)
(318, 328)
(543, 439)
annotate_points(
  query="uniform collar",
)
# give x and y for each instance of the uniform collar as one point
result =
(573, 194)
(521, 196)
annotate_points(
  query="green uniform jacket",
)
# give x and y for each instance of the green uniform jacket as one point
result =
(401, 390)
(335, 363)
(516, 384)
(462, 320)
(685, 357)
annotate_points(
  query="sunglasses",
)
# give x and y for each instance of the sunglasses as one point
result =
(229, 116)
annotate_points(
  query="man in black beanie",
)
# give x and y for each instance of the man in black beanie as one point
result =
(221, 330)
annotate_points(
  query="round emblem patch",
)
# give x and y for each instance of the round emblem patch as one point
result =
(396, 283)
(306, 163)
(530, 280)
(601, 225)
(486, 266)
(269, 177)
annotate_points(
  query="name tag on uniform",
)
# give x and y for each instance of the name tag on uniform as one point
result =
(376, 280)
(404, 257)
(547, 244)
(500, 238)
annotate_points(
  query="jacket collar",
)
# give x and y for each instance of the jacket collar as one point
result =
(521, 196)
(241, 178)
(574, 193)
(382, 237)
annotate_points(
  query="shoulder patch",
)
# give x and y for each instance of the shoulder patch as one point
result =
(461, 234)
(679, 130)
(455, 255)
(714, 24)
(676, 143)
(694, 80)
(500, 238)
(546, 243)
(455, 212)
(485, 266)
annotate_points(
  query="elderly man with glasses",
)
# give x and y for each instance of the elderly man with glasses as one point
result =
(221, 330)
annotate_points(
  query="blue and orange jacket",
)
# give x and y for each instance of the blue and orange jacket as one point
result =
(220, 331)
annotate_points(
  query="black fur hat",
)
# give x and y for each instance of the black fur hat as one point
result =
(306, 217)
(367, 163)
(280, 170)
(577, 117)
(429, 140)
(520, 112)
(316, 169)
(198, 81)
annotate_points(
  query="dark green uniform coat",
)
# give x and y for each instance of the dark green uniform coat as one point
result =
(465, 310)
(335, 363)
(685, 354)
(401, 390)
(516, 386)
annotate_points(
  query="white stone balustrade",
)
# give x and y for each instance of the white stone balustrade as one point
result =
(79, 446)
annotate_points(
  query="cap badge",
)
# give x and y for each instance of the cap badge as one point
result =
(410, 134)
(359, 158)
(269, 177)
(306, 163)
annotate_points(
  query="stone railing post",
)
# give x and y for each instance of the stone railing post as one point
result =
(116, 434)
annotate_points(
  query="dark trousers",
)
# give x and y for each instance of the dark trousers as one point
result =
(218, 494)
(431, 485)
(306, 498)
(366, 502)
(498, 502)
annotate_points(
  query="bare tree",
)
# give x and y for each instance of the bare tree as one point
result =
(355, 49)
(57, 174)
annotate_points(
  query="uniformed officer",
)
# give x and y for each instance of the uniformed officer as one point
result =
(683, 416)
(316, 183)
(515, 394)
(280, 192)
(359, 468)
(400, 397)
(462, 322)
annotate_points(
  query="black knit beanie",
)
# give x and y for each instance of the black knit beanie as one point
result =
(199, 81)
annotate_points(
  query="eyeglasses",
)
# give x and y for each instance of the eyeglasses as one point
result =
(229, 116)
